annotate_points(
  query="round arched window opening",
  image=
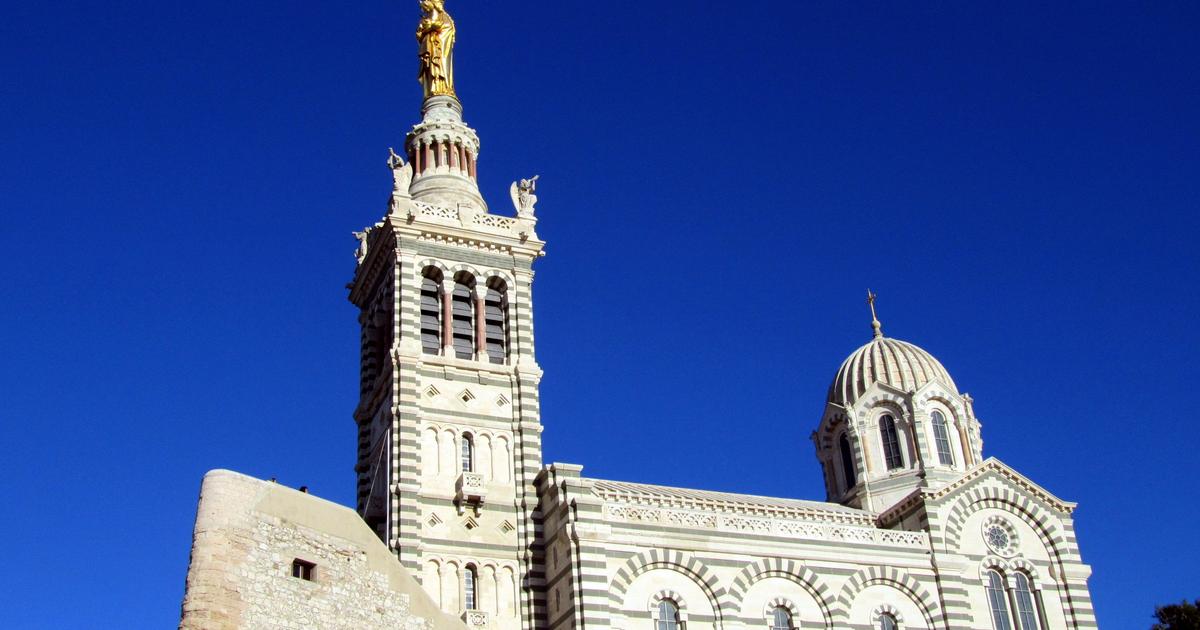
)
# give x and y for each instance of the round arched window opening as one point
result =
(848, 475)
(781, 619)
(941, 438)
(668, 615)
(890, 439)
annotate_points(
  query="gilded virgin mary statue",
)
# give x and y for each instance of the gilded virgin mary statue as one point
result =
(435, 34)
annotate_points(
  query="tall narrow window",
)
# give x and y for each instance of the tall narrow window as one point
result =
(1026, 609)
(469, 588)
(891, 443)
(887, 622)
(468, 453)
(941, 438)
(462, 312)
(431, 314)
(998, 601)
(495, 318)
(847, 462)
(668, 615)
(781, 619)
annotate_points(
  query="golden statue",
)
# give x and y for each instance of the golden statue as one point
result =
(435, 34)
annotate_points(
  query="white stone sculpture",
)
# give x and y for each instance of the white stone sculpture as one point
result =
(401, 173)
(523, 197)
(360, 254)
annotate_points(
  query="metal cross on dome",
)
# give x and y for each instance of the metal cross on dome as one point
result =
(874, 320)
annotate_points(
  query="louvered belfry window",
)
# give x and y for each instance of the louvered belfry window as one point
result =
(462, 313)
(891, 443)
(495, 318)
(431, 316)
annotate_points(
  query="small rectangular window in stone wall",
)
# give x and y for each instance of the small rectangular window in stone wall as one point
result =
(302, 569)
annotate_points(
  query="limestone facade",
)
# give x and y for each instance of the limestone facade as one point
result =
(248, 535)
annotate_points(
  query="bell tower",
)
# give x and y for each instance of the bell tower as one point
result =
(449, 430)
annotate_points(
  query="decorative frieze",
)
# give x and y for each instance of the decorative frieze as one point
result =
(766, 526)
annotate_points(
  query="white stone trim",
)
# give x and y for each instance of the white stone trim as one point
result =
(656, 599)
(426, 263)
(887, 609)
(781, 602)
(1014, 540)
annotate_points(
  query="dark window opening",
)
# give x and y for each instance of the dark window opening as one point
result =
(302, 569)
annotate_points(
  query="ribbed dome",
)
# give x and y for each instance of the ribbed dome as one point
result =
(891, 361)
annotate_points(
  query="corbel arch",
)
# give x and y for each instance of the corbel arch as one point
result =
(499, 274)
(1007, 500)
(657, 598)
(890, 576)
(790, 570)
(1029, 569)
(935, 391)
(990, 562)
(887, 609)
(455, 270)
(428, 263)
(675, 560)
(784, 603)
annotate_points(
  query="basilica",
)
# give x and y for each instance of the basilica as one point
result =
(460, 523)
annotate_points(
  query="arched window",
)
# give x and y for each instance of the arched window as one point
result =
(462, 313)
(941, 438)
(1026, 608)
(468, 453)
(887, 622)
(891, 443)
(847, 462)
(668, 615)
(495, 319)
(998, 601)
(781, 619)
(469, 580)
(431, 311)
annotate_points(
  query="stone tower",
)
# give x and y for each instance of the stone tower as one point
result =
(449, 431)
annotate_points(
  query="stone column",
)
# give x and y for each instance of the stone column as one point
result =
(965, 442)
(917, 427)
(480, 339)
(447, 318)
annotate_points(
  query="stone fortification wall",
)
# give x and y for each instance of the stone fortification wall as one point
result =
(249, 533)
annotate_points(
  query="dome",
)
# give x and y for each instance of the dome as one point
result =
(896, 363)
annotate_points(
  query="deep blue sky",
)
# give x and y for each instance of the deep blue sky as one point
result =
(720, 183)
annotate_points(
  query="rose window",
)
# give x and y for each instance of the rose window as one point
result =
(1000, 536)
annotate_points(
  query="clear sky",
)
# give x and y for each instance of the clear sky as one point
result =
(720, 183)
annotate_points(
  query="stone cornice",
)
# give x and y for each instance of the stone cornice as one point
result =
(643, 495)
(990, 466)
(466, 227)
